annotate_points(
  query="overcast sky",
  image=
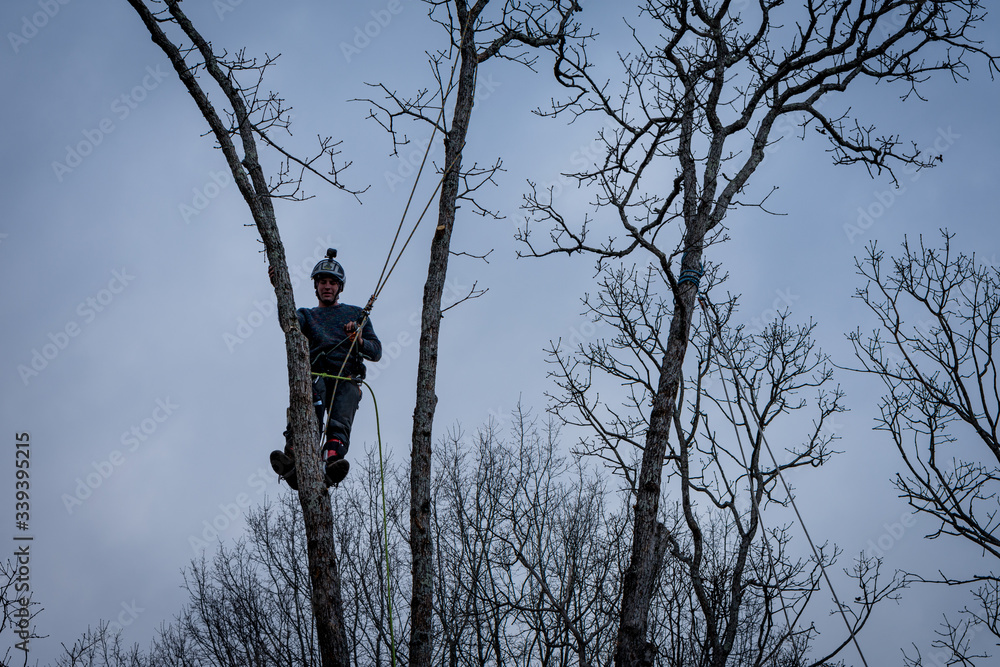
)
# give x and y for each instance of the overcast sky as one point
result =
(140, 348)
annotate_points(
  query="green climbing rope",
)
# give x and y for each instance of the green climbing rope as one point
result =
(385, 514)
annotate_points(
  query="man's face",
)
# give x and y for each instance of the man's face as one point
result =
(327, 290)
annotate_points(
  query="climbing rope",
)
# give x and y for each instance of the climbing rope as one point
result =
(385, 514)
(356, 336)
(386, 268)
(717, 331)
(691, 276)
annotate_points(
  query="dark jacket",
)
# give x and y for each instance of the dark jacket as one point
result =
(328, 342)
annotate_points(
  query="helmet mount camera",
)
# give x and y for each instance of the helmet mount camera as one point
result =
(329, 267)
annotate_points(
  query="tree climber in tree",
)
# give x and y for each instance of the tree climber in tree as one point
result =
(336, 348)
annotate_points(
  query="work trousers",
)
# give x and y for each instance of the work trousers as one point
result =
(341, 399)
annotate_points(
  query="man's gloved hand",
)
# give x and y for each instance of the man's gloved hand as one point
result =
(353, 333)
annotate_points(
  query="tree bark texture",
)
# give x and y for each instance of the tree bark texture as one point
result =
(422, 600)
(648, 542)
(249, 176)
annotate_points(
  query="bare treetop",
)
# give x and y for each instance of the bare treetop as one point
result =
(508, 33)
(708, 81)
(264, 113)
(516, 23)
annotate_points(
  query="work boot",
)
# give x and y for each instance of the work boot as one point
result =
(283, 464)
(336, 466)
(336, 471)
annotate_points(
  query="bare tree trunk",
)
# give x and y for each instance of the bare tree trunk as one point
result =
(685, 100)
(253, 185)
(532, 25)
(648, 541)
(421, 605)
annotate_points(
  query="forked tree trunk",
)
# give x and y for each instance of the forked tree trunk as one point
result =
(249, 176)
